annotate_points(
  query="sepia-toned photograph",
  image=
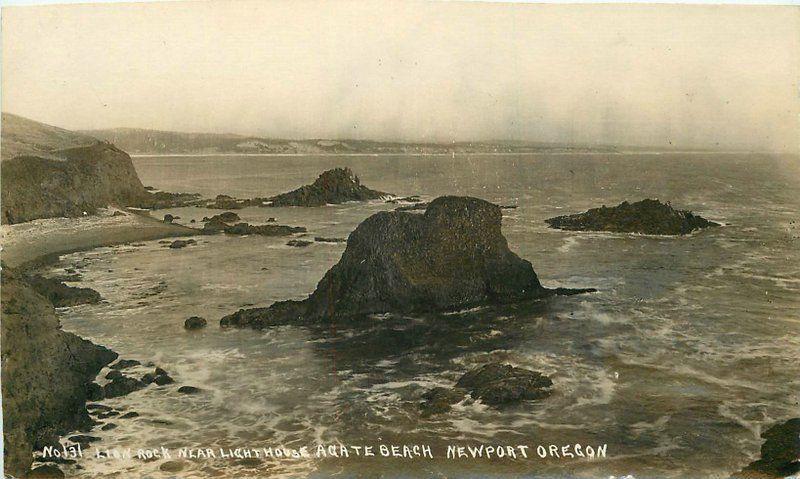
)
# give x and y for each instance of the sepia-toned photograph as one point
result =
(400, 239)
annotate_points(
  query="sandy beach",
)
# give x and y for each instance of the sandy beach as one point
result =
(27, 242)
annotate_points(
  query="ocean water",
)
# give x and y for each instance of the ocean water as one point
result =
(689, 349)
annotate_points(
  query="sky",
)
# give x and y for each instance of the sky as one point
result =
(666, 76)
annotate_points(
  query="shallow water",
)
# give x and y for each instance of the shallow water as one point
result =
(688, 350)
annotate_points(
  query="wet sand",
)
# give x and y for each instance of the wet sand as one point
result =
(33, 241)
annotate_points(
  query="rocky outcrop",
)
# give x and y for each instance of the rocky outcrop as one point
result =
(45, 374)
(61, 295)
(339, 185)
(646, 217)
(452, 256)
(49, 172)
(494, 384)
(780, 453)
(226, 217)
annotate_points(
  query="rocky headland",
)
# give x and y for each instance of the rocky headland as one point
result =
(645, 217)
(452, 256)
(45, 374)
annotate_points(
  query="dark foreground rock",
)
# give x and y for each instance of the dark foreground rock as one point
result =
(195, 322)
(46, 471)
(45, 374)
(61, 295)
(646, 217)
(339, 185)
(780, 453)
(452, 256)
(494, 384)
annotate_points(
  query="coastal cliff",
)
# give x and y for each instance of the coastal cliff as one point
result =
(453, 255)
(45, 373)
(50, 172)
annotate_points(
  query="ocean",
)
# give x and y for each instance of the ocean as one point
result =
(688, 350)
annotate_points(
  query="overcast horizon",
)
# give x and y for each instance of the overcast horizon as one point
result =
(661, 76)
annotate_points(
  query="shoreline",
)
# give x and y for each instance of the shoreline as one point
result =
(542, 153)
(34, 243)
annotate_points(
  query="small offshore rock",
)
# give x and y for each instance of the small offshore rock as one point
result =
(168, 218)
(182, 243)
(163, 380)
(195, 322)
(322, 239)
(129, 415)
(122, 386)
(171, 466)
(298, 243)
(108, 426)
(497, 384)
(188, 390)
(335, 186)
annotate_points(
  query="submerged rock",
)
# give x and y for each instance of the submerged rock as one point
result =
(61, 295)
(780, 453)
(195, 322)
(264, 230)
(177, 244)
(452, 256)
(322, 239)
(440, 400)
(497, 384)
(339, 185)
(645, 217)
(494, 384)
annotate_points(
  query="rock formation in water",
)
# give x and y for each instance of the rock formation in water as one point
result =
(494, 384)
(339, 185)
(45, 374)
(646, 217)
(50, 172)
(452, 256)
(780, 453)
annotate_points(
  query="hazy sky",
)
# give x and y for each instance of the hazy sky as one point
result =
(690, 76)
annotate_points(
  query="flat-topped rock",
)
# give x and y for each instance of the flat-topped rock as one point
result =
(452, 256)
(335, 186)
(645, 217)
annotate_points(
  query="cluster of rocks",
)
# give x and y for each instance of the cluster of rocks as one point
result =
(452, 256)
(494, 384)
(121, 383)
(645, 217)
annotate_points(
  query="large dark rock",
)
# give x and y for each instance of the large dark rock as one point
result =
(339, 185)
(780, 453)
(61, 295)
(452, 256)
(46, 374)
(645, 217)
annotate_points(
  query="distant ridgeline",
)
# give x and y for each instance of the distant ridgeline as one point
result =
(50, 172)
(141, 141)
